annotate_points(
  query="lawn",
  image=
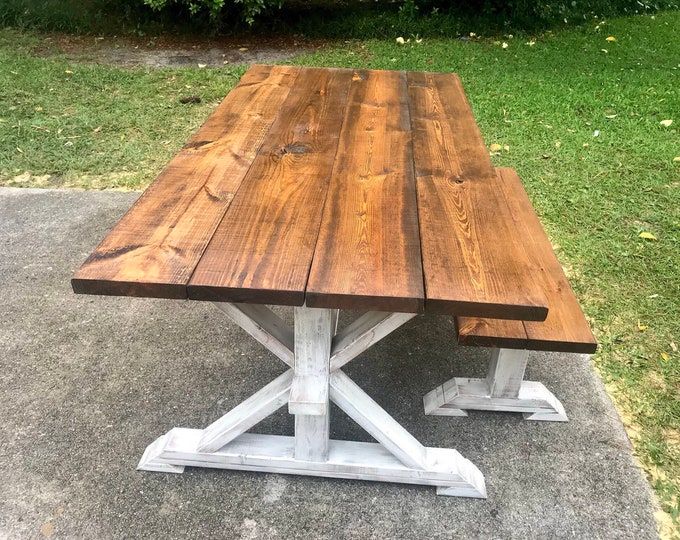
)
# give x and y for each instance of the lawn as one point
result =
(589, 116)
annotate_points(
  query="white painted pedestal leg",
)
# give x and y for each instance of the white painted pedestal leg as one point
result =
(503, 390)
(315, 351)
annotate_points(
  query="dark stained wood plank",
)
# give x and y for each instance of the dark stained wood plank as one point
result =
(473, 259)
(153, 250)
(566, 328)
(492, 332)
(368, 252)
(262, 250)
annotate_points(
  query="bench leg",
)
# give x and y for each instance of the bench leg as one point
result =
(315, 351)
(503, 390)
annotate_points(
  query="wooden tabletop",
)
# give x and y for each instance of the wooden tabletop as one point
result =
(339, 188)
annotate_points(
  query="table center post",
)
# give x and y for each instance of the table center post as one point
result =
(309, 400)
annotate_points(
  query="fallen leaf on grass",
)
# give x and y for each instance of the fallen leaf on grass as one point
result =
(665, 357)
(495, 147)
(611, 39)
(647, 236)
(666, 123)
(676, 159)
(674, 347)
(642, 327)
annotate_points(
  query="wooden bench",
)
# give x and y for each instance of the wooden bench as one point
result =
(564, 330)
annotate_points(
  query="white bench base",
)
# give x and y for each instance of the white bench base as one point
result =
(315, 354)
(502, 390)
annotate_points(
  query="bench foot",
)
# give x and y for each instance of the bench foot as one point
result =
(456, 396)
(503, 390)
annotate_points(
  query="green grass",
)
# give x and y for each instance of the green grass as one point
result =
(545, 102)
(78, 125)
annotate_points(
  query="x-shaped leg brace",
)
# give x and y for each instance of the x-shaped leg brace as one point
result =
(315, 354)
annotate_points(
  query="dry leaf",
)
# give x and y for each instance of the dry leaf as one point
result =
(495, 147)
(676, 159)
(47, 529)
(647, 236)
(400, 40)
(674, 347)
(642, 327)
(610, 116)
(666, 123)
(665, 357)
(611, 39)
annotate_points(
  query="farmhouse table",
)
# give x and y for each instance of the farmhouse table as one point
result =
(324, 189)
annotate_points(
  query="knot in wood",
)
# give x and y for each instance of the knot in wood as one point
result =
(294, 148)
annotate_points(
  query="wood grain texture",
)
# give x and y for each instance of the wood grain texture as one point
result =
(262, 250)
(566, 328)
(154, 249)
(368, 252)
(473, 258)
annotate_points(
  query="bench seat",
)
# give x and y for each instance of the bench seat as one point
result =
(564, 330)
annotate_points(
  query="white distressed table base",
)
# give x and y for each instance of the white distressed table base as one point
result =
(502, 390)
(315, 351)
(346, 459)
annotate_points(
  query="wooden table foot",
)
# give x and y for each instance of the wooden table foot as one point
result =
(447, 469)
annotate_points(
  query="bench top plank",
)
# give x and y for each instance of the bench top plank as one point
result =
(473, 258)
(155, 247)
(565, 329)
(262, 250)
(368, 253)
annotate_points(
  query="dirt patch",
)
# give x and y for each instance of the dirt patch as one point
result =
(172, 51)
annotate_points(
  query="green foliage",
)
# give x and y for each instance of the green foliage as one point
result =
(343, 19)
(216, 9)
